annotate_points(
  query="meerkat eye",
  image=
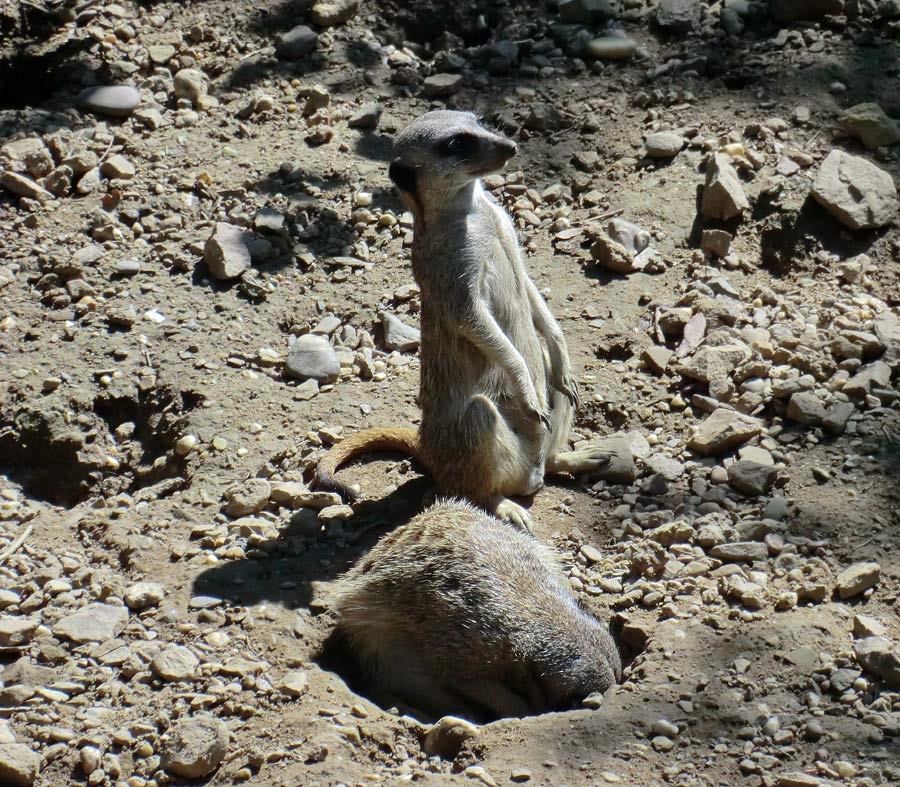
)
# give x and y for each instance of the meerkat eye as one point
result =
(459, 145)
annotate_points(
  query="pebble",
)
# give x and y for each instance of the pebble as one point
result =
(752, 478)
(722, 431)
(397, 334)
(870, 125)
(143, 595)
(664, 727)
(294, 683)
(93, 623)
(367, 116)
(250, 497)
(15, 631)
(226, 252)
(857, 579)
(19, 765)
(855, 191)
(312, 357)
(740, 552)
(723, 195)
(447, 737)
(442, 85)
(116, 101)
(190, 83)
(611, 48)
(296, 43)
(663, 144)
(328, 13)
(196, 746)
(880, 657)
(678, 16)
(24, 187)
(117, 166)
(175, 663)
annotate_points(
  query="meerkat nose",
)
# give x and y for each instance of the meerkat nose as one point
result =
(509, 147)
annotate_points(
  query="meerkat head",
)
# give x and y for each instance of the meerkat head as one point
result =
(441, 152)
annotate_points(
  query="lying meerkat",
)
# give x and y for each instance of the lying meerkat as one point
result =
(497, 391)
(459, 613)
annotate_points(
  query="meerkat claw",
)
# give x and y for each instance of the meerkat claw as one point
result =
(513, 514)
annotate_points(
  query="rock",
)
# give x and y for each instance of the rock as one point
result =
(800, 779)
(294, 683)
(16, 631)
(664, 727)
(296, 42)
(610, 48)
(19, 765)
(622, 250)
(190, 83)
(740, 552)
(226, 253)
(881, 657)
(752, 478)
(714, 362)
(678, 16)
(196, 746)
(397, 334)
(663, 144)
(250, 497)
(716, 242)
(24, 187)
(877, 374)
(666, 466)
(446, 738)
(116, 101)
(442, 85)
(328, 13)
(32, 152)
(89, 182)
(806, 408)
(837, 416)
(723, 430)
(143, 595)
(870, 125)
(312, 357)
(794, 10)
(93, 623)
(857, 579)
(175, 663)
(856, 192)
(867, 626)
(723, 195)
(160, 54)
(586, 11)
(367, 116)
(657, 358)
(117, 166)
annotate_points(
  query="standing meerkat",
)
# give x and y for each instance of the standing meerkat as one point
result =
(497, 391)
(459, 613)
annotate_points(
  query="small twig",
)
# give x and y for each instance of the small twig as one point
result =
(106, 152)
(16, 544)
(604, 216)
(249, 55)
(814, 137)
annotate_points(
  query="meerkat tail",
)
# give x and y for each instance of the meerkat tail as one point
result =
(380, 438)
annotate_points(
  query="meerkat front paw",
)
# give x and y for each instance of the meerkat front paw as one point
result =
(512, 513)
(566, 384)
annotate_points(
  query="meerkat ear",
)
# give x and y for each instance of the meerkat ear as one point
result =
(404, 177)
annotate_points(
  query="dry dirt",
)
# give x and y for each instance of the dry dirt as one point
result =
(91, 409)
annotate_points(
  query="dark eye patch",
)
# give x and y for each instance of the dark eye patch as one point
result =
(459, 145)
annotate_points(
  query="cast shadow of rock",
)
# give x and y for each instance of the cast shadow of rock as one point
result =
(790, 239)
